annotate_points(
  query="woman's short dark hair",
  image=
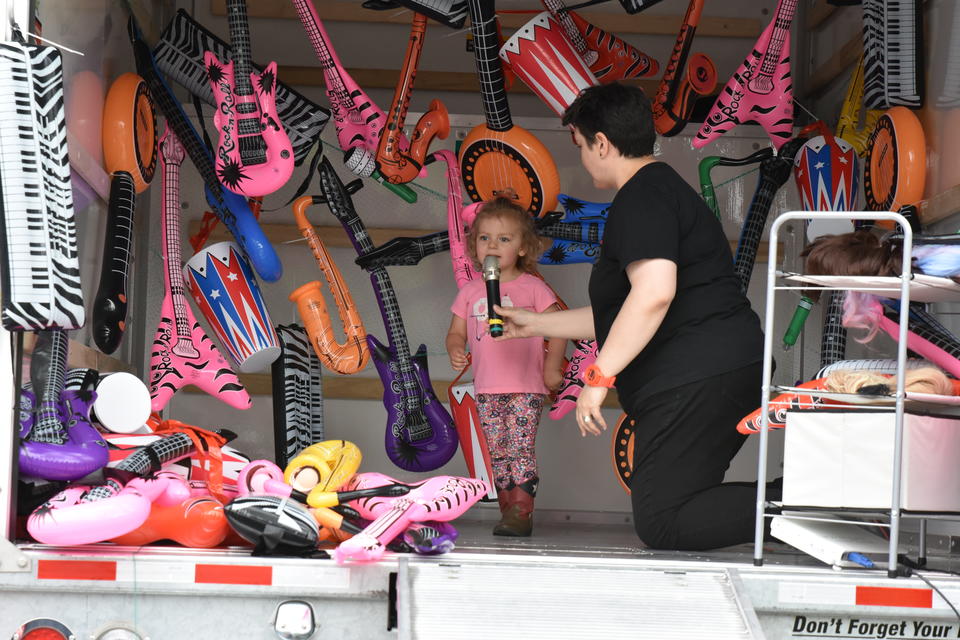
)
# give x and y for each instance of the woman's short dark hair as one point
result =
(621, 112)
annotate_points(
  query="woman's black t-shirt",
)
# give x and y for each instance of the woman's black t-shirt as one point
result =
(709, 327)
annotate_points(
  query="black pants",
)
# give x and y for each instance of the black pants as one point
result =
(684, 440)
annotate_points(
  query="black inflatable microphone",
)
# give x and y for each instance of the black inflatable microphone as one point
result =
(491, 275)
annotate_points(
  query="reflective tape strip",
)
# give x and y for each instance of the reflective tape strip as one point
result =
(76, 570)
(818, 593)
(895, 597)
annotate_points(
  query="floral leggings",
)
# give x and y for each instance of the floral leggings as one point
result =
(509, 422)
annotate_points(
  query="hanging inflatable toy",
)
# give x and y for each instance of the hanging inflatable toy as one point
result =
(420, 435)
(110, 304)
(540, 54)
(576, 234)
(893, 45)
(297, 395)
(827, 172)
(761, 90)
(709, 162)
(895, 170)
(231, 208)
(225, 290)
(182, 352)
(774, 173)
(130, 131)
(358, 119)
(452, 13)
(254, 156)
(609, 58)
(86, 514)
(351, 355)
(621, 451)
(683, 82)
(848, 124)
(400, 163)
(57, 440)
(441, 498)
(498, 156)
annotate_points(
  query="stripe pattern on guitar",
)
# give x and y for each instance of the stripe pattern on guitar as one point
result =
(39, 262)
(297, 394)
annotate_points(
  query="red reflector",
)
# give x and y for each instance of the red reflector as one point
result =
(43, 634)
(230, 574)
(895, 597)
(76, 570)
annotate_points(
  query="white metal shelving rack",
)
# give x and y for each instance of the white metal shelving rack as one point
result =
(900, 288)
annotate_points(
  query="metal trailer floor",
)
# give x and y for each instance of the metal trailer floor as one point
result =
(567, 581)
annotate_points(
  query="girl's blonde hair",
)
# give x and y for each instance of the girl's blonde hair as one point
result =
(505, 209)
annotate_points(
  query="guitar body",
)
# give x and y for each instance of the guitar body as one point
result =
(616, 60)
(761, 90)
(174, 364)
(576, 235)
(404, 448)
(493, 160)
(260, 120)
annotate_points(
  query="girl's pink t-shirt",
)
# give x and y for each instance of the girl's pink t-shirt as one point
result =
(505, 366)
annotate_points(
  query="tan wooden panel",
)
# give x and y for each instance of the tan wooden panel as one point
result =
(844, 58)
(463, 81)
(943, 205)
(80, 355)
(613, 22)
(355, 388)
(819, 13)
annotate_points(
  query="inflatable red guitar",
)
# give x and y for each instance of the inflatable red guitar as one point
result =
(761, 90)
(254, 154)
(183, 354)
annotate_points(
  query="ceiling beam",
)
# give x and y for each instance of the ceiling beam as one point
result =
(429, 81)
(617, 23)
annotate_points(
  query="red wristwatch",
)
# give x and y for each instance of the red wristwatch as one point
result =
(595, 378)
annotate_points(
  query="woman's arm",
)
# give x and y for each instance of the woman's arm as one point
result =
(571, 324)
(457, 343)
(653, 284)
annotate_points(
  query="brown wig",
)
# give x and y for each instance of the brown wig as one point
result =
(859, 253)
(505, 209)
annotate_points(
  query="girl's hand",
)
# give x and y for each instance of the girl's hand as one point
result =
(589, 418)
(517, 323)
(458, 358)
(553, 378)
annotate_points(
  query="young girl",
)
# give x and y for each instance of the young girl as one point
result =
(511, 378)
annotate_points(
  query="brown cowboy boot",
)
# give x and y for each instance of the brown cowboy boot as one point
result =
(517, 521)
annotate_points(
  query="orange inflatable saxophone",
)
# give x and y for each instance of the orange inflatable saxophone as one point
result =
(351, 355)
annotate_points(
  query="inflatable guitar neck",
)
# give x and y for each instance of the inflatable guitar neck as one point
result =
(254, 156)
(420, 433)
(231, 208)
(761, 90)
(57, 441)
(577, 234)
(110, 303)
(709, 162)
(183, 354)
(774, 173)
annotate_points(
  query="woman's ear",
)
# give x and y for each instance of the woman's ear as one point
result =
(602, 143)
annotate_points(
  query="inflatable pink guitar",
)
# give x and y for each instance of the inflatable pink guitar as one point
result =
(761, 90)
(254, 154)
(441, 499)
(183, 354)
(358, 119)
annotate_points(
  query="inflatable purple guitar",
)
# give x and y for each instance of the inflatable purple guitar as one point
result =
(438, 499)
(183, 354)
(761, 90)
(57, 441)
(420, 433)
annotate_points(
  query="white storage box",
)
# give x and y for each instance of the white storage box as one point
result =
(845, 459)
